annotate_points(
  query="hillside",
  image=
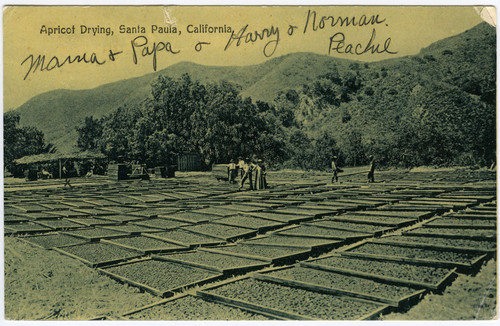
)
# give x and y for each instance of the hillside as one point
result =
(436, 107)
(466, 61)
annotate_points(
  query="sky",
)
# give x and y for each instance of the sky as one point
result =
(257, 34)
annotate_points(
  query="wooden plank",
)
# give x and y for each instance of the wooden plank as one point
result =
(447, 235)
(323, 289)
(364, 202)
(463, 214)
(264, 204)
(83, 221)
(145, 287)
(440, 224)
(188, 263)
(155, 291)
(297, 210)
(346, 238)
(154, 304)
(433, 246)
(375, 233)
(148, 250)
(452, 201)
(249, 233)
(26, 240)
(390, 213)
(120, 227)
(429, 262)
(271, 225)
(161, 237)
(184, 217)
(413, 208)
(94, 238)
(376, 313)
(286, 218)
(94, 264)
(68, 227)
(235, 254)
(355, 219)
(382, 278)
(302, 254)
(326, 244)
(247, 305)
(228, 270)
(322, 206)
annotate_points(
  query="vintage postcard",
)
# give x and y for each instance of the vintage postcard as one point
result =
(250, 163)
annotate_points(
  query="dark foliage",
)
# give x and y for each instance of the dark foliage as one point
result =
(185, 116)
(21, 141)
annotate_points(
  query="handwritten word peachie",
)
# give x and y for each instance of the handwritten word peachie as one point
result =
(338, 44)
(242, 35)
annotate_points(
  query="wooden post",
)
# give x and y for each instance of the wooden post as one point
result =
(60, 169)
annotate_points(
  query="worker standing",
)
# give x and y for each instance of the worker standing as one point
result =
(335, 177)
(241, 163)
(260, 175)
(247, 174)
(65, 174)
(231, 171)
(371, 170)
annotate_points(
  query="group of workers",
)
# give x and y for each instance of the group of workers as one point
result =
(253, 171)
(336, 170)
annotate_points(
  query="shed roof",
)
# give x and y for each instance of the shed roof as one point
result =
(49, 157)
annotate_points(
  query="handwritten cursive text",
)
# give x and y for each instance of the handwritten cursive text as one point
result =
(40, 62)
(252, 37)
(338, 44)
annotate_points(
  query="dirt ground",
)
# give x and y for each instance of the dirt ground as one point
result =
(45, 285)
(467, 298)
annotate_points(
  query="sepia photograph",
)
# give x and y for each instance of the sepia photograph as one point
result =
(244, 163)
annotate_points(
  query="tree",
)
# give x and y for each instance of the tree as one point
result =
(447, 126)
(117, 135)
(352, 148)
(21, 141)
(212, 119)
(90, 134)
(301, 150)
(285, 106)
(325, 147)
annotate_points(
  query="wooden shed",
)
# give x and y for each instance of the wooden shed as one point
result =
(189, 162)
(59, 158)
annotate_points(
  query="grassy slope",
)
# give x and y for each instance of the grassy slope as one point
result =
(42, 284)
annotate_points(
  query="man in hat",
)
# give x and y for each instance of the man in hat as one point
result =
(241, 163)
(335, 170)
(260, 175)
(371, 170)
(247, 170)
(231, 171)
(65, 174)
